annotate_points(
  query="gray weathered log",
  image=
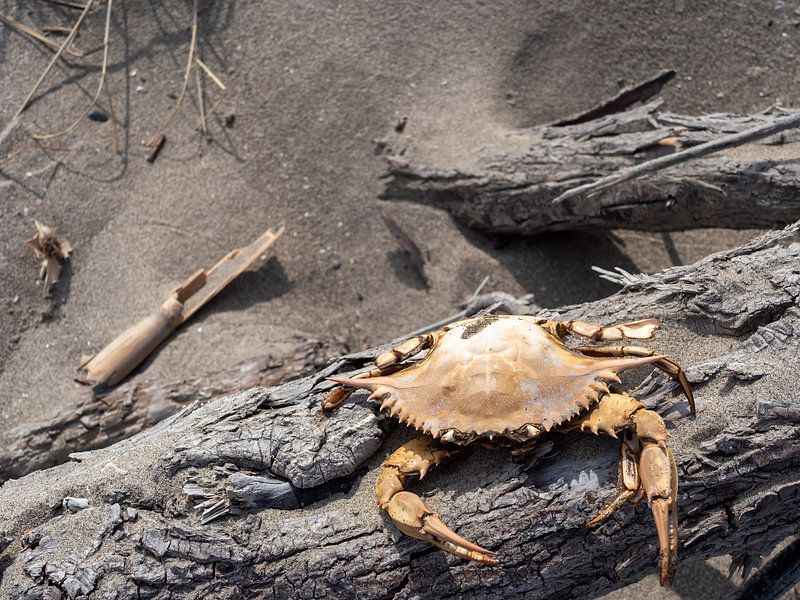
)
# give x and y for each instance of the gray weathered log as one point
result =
(511, 192)
(733, 320)
(90, 420)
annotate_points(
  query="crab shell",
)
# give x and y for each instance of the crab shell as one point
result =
(493, 377)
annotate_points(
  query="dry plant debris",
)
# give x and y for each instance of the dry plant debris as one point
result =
(114, 362)
(156, 142)
(51, 249)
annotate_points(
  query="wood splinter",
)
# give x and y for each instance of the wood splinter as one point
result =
(114, 362)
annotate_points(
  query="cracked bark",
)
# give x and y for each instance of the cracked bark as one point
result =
(511, 192)
(733, 321)
(90, 420)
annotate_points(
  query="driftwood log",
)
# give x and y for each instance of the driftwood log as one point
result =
(95, 419)
(286, 491)
(512, 191)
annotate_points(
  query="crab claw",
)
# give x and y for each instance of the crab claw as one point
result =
(658, 472)
(415, 518)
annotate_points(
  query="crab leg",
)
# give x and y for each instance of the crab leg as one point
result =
(408, 512)
(385, 364)
(408, 348)
(667, 365)
(645, 462)
(635, 330)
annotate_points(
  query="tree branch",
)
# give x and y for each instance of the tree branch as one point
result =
(732, 319)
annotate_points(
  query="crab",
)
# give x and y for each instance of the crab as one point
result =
(506, 380)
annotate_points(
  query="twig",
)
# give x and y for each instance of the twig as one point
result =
(69, 39)
(59, 29)
(103, 70)
(210, 73)
(214, 107)
(189, 63)
(155, 147)
(662, 162)
(200, 104)
(34, 34)
(478, 290)
(67, 4)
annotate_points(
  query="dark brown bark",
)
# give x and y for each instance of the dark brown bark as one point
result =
(512, 193)
(733, 320)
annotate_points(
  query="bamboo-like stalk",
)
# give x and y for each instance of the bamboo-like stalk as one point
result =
(115, 361)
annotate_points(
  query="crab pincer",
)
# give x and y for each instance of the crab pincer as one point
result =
(409, 512)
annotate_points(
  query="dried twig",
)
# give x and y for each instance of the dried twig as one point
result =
(210, 73)
(69, 39)
(189, 63)
(155, 147)
(35, 34)
(662, 162)
(68, 4)
(100, 84)
(200, 103)
(59, 29)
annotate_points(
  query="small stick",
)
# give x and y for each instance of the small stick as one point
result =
(662, 162)
(103, 70)
(69, 39)
(34, 34)
(155, 147)
(214, 107)
(200, 104)
(67, 4)
(60, 29)
(189, 63)
(210, 73)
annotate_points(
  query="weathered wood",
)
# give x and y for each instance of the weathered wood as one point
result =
(733, 320)
(93, 419)
(754, 134)
(513, 192)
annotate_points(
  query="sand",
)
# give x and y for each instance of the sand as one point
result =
(311, 87)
